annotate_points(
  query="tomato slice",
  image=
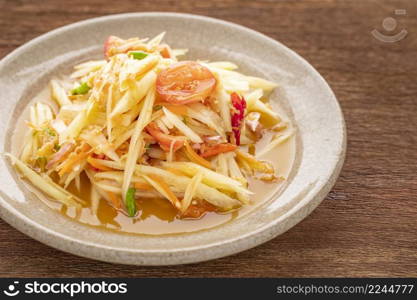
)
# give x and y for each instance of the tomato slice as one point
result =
(185, 82)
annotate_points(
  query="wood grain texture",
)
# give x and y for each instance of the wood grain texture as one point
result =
(367, 225)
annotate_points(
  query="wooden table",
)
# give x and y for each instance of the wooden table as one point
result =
(367, 226)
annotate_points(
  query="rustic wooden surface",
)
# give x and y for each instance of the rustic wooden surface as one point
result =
(367, 226)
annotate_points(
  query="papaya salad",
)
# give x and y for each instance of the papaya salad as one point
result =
(141, 124)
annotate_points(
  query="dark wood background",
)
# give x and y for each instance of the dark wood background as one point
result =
(367, 226)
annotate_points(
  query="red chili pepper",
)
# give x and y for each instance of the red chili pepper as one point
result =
(238, 114)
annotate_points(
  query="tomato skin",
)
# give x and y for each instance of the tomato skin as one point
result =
(185, 82)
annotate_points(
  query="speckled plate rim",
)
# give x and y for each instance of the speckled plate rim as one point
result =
(309, 201)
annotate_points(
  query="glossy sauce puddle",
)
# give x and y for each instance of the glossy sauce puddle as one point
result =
(157, 216)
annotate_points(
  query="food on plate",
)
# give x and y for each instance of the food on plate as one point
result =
(141, 126)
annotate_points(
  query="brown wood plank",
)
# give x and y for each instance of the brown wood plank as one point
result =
(367, 226)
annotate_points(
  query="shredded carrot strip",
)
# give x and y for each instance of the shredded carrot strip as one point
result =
(143, 186)
(217, 149)
(165, 51)
(121, 152)
(163, 185)
(115, 200)
(72, 161)
(194, 157)
(163, 139)
(96, 164)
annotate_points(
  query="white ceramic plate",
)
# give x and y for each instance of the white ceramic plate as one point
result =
(303, 93)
